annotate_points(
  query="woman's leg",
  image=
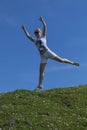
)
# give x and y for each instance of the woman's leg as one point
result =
(41, 74)
(57, 58)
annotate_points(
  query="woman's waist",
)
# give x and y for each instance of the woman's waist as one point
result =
(42, 52)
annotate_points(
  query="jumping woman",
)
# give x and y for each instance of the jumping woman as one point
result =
(45, 52)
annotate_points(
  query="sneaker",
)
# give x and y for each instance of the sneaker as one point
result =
(38, 88)
(77, 64)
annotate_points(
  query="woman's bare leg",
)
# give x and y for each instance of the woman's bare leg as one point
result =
(57, 58)
(41, 74)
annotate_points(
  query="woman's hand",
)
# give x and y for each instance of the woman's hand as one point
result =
(22, 26)
(41, 18)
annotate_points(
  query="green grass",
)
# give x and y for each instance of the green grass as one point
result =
(55, 109)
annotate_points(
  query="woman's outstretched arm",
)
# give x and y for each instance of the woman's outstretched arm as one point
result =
(27, 34)
(44, 26)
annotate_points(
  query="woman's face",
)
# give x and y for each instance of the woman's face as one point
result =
(38, 33)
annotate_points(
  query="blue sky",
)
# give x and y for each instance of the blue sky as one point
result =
(66, 35)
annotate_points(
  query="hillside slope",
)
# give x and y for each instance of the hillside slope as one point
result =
(55, 109)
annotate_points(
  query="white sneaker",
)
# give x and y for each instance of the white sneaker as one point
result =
(38, 88)
(77, 64)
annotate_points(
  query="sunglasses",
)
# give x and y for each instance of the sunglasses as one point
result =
(36, 32)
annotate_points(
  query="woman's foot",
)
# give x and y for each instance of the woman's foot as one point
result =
(39, 87)
(75, 63)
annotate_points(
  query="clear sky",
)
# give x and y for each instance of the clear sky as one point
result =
(66, 35)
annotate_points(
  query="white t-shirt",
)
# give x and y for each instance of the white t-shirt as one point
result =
(41, 44)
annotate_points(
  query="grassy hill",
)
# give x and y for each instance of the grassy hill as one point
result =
(55, 109)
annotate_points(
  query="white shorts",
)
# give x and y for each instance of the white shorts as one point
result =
(47, 55)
